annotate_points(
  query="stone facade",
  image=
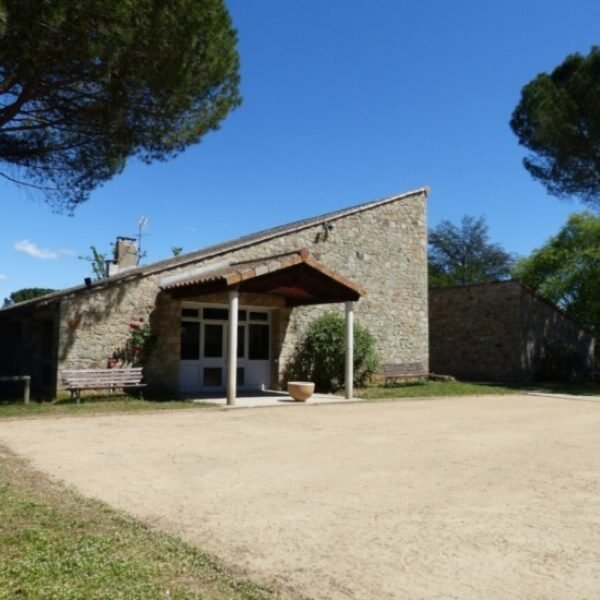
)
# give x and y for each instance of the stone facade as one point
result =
(496, 332)
(382, 247)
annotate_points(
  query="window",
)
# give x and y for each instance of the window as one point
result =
(258, 342)
(190, 340)
(221, 314)
(215, 314)
(241, 341)
(240, 376)
(259, 316)
(213, 341)
(193, 313)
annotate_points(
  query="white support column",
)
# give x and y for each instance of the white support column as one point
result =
(232, 337)
(349, 343)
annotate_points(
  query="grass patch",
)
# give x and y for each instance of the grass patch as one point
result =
(573, 389)
(417, 389)
(56, 544)
(90, 405)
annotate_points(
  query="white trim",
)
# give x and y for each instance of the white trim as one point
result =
(197, 366)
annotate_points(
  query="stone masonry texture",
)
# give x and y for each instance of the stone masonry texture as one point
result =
(496, 332)
(382, 248)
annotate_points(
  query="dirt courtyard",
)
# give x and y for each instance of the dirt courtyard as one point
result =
(480, 497)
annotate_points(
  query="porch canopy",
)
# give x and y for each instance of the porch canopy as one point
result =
(296, 277)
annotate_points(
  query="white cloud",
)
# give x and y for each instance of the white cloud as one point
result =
(2, 276)
(34, 250)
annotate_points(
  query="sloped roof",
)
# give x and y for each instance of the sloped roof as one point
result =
(216, 250)
(295, 276)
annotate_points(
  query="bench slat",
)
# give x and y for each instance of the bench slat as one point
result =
(72, 383)
(403, 368)
(91, 386)
(96, 375)
(103, 380)
(102, 370)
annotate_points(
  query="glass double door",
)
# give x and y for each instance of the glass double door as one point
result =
(214, 355)
(204, 354)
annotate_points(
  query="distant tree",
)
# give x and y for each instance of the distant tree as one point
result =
(98, 261)
(558, 119)
(85, 85)
(176, 250)
(566, 269)
(459, 255)
(26, 294)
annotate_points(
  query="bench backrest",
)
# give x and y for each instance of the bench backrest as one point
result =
(401, 369)
(116, 377)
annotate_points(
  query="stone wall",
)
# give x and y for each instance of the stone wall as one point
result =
(496, 332)
(542, 323)
(383, 248)
(94, 324)
(475, 331)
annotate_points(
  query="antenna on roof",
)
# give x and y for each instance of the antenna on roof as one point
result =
(141, 226)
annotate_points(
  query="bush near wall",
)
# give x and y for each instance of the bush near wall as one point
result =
(320, 355)
(562, 362)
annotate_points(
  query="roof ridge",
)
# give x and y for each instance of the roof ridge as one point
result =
(275, 231)
(222, 247)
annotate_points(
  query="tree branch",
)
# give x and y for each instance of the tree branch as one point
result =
(27, 184)
(12, 110)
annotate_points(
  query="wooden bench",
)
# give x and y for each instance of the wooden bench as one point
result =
(97, 379)
(403, 371)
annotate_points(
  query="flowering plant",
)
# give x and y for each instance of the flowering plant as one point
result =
(139, 344)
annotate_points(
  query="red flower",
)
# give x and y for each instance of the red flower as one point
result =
(141, 319)
(134, 326)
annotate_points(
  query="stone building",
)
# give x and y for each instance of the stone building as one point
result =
(498, 332)
(373, 255)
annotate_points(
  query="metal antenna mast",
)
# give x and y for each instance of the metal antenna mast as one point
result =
(141, 226)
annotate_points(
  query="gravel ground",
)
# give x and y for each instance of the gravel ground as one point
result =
(479, 497)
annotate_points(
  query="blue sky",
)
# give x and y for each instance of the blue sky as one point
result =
(345, 101)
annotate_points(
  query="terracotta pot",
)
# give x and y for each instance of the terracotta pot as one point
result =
(300, 390)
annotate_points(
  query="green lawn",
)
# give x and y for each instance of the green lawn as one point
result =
(574, 389)
(55, 544)
(416, 389)
(90, 405)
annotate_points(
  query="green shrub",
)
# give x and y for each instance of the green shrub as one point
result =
(562, 362)
(320, 355)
